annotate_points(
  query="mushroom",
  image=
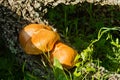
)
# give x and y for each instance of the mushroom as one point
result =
(65, 55)
(38, 38)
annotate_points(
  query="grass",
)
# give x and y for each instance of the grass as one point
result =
(9, 69)
(93, 30)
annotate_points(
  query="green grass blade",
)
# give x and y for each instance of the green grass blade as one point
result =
(58, 71)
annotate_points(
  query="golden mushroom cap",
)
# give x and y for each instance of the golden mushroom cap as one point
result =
(27, 32)
(45, 40)
(26, 40)
(65, 54)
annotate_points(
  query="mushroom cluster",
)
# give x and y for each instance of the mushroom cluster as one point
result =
(36, 39)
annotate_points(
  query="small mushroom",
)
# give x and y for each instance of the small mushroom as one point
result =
(65, 54)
